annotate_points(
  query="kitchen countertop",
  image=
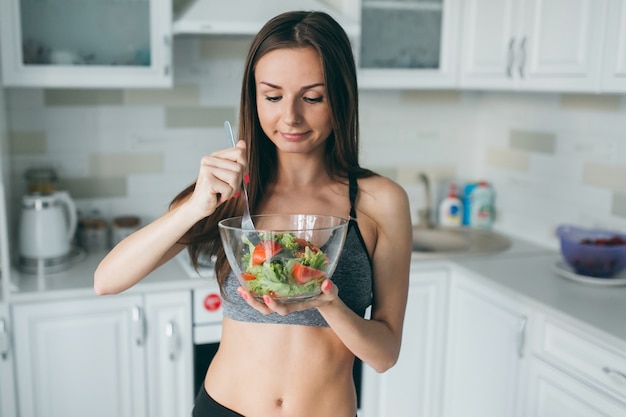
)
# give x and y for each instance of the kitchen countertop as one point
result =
(524, 270)
(77, 281)
(532, 277)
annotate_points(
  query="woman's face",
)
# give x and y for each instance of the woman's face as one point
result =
(292, 103)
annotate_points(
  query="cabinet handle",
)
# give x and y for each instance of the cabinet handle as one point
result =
(4, 340)
(510, 58)
(139, 326)
(167, 43)
(172, 340)
(521, 337)
(615, 375)
(522, 62)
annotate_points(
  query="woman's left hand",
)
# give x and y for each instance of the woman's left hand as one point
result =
(329, 294)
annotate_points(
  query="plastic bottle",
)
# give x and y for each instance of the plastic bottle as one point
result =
(482, 208)
(467, 202)
(451, 209)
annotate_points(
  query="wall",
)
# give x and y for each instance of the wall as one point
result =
(552, 158)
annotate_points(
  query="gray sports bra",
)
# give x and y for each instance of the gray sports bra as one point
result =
(353, 276)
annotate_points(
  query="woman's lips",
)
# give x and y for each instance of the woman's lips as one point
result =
(294, 137)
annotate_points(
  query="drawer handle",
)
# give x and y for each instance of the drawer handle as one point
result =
(172, 340)
(139, 325)
(521, 337)
(615, 375)
(4, 340)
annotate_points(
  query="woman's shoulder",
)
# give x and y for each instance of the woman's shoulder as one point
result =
(379, 185)
(381, 194)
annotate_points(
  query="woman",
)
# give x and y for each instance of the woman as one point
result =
(299, 131)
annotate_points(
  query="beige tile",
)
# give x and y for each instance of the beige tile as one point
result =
(526, 140)
(435, 173)
(93, 187)
(177, 117)
(87, 97)
(606, 176)
(180, 5)
(117, 165)
(619, 204)
(431, 97)
(229, 47)
(179, 95)
(599, 102)
(509, 159)
(389, 172)
(27, 142)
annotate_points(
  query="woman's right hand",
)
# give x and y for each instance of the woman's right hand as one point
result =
(140, 253)
(219, 179)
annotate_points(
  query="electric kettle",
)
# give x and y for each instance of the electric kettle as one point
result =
(47, 226)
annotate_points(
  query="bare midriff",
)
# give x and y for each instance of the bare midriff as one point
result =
(282, 370)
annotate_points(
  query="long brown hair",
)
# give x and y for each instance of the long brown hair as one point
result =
(296, 29)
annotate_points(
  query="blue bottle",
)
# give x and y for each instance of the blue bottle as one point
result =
(482, 210)
(467, 203)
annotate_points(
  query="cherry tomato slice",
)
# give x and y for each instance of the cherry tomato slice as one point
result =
(247, 276)
(304, 274)
(264, 251)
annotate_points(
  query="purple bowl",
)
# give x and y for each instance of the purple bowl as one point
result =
(592, 258)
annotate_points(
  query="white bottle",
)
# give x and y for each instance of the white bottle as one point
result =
(451, 209)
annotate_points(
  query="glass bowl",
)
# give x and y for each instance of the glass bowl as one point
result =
(288, 255)
(593, 252)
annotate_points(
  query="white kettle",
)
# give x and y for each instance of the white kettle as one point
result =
(47, 225)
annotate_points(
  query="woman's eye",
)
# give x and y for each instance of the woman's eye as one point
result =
(272, 98)
(314, 99)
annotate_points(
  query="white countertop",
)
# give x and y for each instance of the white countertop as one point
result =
(525, 269)
(77, 281)
(533, 278)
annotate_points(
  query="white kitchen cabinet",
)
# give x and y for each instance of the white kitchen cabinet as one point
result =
(614, 68)
(170, 354)
(407, 44)
(97, 44)
(485, 352)
(8, 407)
(553, 393)
(413, 387)
(81, 357)
(123, 356)
(545, 45)
(575, 372)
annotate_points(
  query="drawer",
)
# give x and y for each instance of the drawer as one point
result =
(582, 354)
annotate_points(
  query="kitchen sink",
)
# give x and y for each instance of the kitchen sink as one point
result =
(432, 242)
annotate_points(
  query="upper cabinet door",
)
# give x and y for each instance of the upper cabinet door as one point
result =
(561, 45)
(96, 43)
(614, 74)
(489, 42)
(546, 45)
(408, 44)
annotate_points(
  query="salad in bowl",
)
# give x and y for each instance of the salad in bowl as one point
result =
(287, 256)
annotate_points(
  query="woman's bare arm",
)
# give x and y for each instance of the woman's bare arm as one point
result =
(150, 247)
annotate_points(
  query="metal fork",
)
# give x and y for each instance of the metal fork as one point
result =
(246, 220)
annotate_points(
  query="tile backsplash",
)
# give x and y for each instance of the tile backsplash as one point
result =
(552, 158)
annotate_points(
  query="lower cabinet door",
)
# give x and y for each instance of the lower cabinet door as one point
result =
(8, 407)
(170, 354)
(553, 393)
(412, 388)
(485, 345)
(81, 358)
